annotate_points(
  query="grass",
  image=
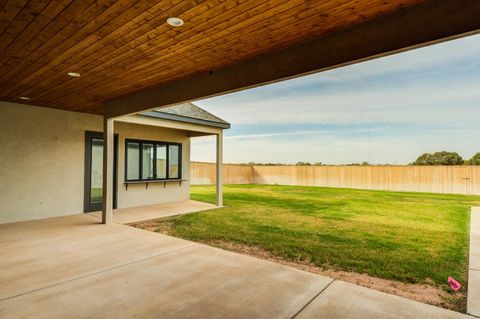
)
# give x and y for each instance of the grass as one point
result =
(96, 195)
(410, 237)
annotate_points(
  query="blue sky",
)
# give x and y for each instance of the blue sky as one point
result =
(387, 110)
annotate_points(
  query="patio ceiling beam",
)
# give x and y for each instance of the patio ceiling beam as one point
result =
(419, 25)
(143, 120)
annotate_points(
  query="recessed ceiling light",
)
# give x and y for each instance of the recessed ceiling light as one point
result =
(175, 22)
(25, 98)
(74, 74)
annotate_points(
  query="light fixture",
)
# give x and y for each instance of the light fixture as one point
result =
(74, 74)
(25, 98)
(175, 22)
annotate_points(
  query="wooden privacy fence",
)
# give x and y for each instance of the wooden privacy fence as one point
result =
(431, 179)
(204, 174)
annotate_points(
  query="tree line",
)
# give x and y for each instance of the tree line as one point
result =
(446, 158)
(438, 158)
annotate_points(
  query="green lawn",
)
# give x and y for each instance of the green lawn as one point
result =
(411, 237)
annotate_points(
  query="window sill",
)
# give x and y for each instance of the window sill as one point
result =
(146, 182)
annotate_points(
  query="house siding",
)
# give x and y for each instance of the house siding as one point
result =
(42, 162)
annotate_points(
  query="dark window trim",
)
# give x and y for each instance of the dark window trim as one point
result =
(155, 143)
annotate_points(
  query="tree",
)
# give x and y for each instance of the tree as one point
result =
(439, 158)
(303, 164)
(448, 158)
(424, 159)
(475, 160)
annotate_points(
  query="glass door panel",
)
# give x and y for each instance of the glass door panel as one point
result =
(93, 194)
(96, 174)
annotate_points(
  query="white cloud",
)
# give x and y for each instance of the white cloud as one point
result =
(392, 105)
(332, 149)
(277, 134)
(434, 90)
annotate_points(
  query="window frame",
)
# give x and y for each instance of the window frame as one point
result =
(155, 144)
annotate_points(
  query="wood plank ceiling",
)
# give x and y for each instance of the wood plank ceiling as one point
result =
(125, 46)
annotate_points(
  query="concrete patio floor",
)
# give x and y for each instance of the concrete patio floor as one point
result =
(149, 212)
(473, 297)
(75, 267)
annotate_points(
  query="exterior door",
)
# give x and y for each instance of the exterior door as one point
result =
(93, 194)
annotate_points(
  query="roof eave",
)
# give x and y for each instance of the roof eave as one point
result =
(179, 118)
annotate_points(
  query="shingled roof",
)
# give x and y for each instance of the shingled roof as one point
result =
(190, 113)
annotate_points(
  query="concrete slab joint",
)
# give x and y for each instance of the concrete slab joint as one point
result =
(181, 279)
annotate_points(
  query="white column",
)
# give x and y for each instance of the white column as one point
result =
(108, 137)
(219, 168)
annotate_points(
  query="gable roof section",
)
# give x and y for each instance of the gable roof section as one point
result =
(189, 113)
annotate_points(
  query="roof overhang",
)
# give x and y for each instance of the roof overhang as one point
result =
(191, 128)
(419, 25)
(185, 119)
(131, 61)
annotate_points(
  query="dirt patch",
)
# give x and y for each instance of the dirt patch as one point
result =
(164, 227)
(426, 293)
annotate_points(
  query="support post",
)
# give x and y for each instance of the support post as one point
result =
(219, 169)
(108, 140)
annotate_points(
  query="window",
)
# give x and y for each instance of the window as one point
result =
(173, 160)
(149, 160)
(133, 161)
(161, 161)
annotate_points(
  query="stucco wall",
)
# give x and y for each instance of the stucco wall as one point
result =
(42, 162)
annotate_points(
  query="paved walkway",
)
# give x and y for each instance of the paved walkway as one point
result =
(473, 299)
(149, 212)
(74, 267)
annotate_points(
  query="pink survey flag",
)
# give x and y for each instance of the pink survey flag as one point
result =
(454, 284)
